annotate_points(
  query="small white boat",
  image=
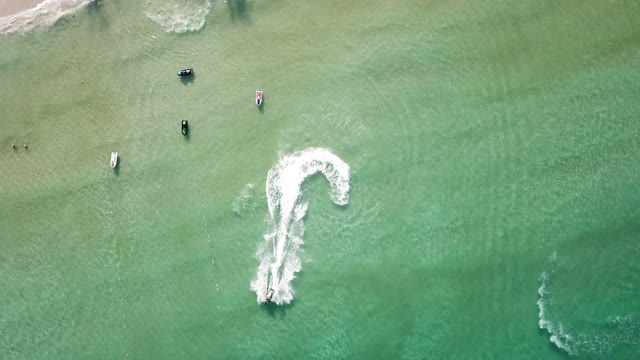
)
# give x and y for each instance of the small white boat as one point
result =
(259, 97)
(114, 159)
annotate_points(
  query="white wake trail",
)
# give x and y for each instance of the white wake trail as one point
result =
(278, 257)
(178, 16)
(614, 331)
(557, 335)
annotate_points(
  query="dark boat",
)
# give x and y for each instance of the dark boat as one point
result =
(185, 72)
(185, 127)
(269, 296)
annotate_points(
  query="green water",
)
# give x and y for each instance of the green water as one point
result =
(482, 137)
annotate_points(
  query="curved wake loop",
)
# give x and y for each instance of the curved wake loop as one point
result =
(278, 257)
(617, 330)
(557, 334)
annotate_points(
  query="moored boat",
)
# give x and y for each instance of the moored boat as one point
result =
(185, 72)
(114, 159)
(185, 127)
(259, 97)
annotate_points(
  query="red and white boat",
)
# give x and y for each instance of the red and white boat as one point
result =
(259, 97)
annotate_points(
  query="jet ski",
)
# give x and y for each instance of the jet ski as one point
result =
(269, 296)
(259, 97)
(185, 72)
(185, 127)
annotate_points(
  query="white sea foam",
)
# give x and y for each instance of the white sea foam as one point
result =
(616, 331)
(557, 334)
(244, 201)
(45, 13)
(278, 254)
(178, 16)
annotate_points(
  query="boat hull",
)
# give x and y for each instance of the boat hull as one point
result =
(185, 127)
(258, 97)
(269, 296)
(114, 160)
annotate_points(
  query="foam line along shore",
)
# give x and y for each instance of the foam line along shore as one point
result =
(22, 16)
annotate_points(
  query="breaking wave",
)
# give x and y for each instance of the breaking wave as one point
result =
(45, 13)
(178, 16)
(617, 330)
(279, 261)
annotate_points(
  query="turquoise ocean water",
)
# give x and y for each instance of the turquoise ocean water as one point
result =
(450, 180)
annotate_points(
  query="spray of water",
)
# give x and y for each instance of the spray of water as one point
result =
(279, 261)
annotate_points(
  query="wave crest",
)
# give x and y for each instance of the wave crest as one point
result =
(45, 13)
